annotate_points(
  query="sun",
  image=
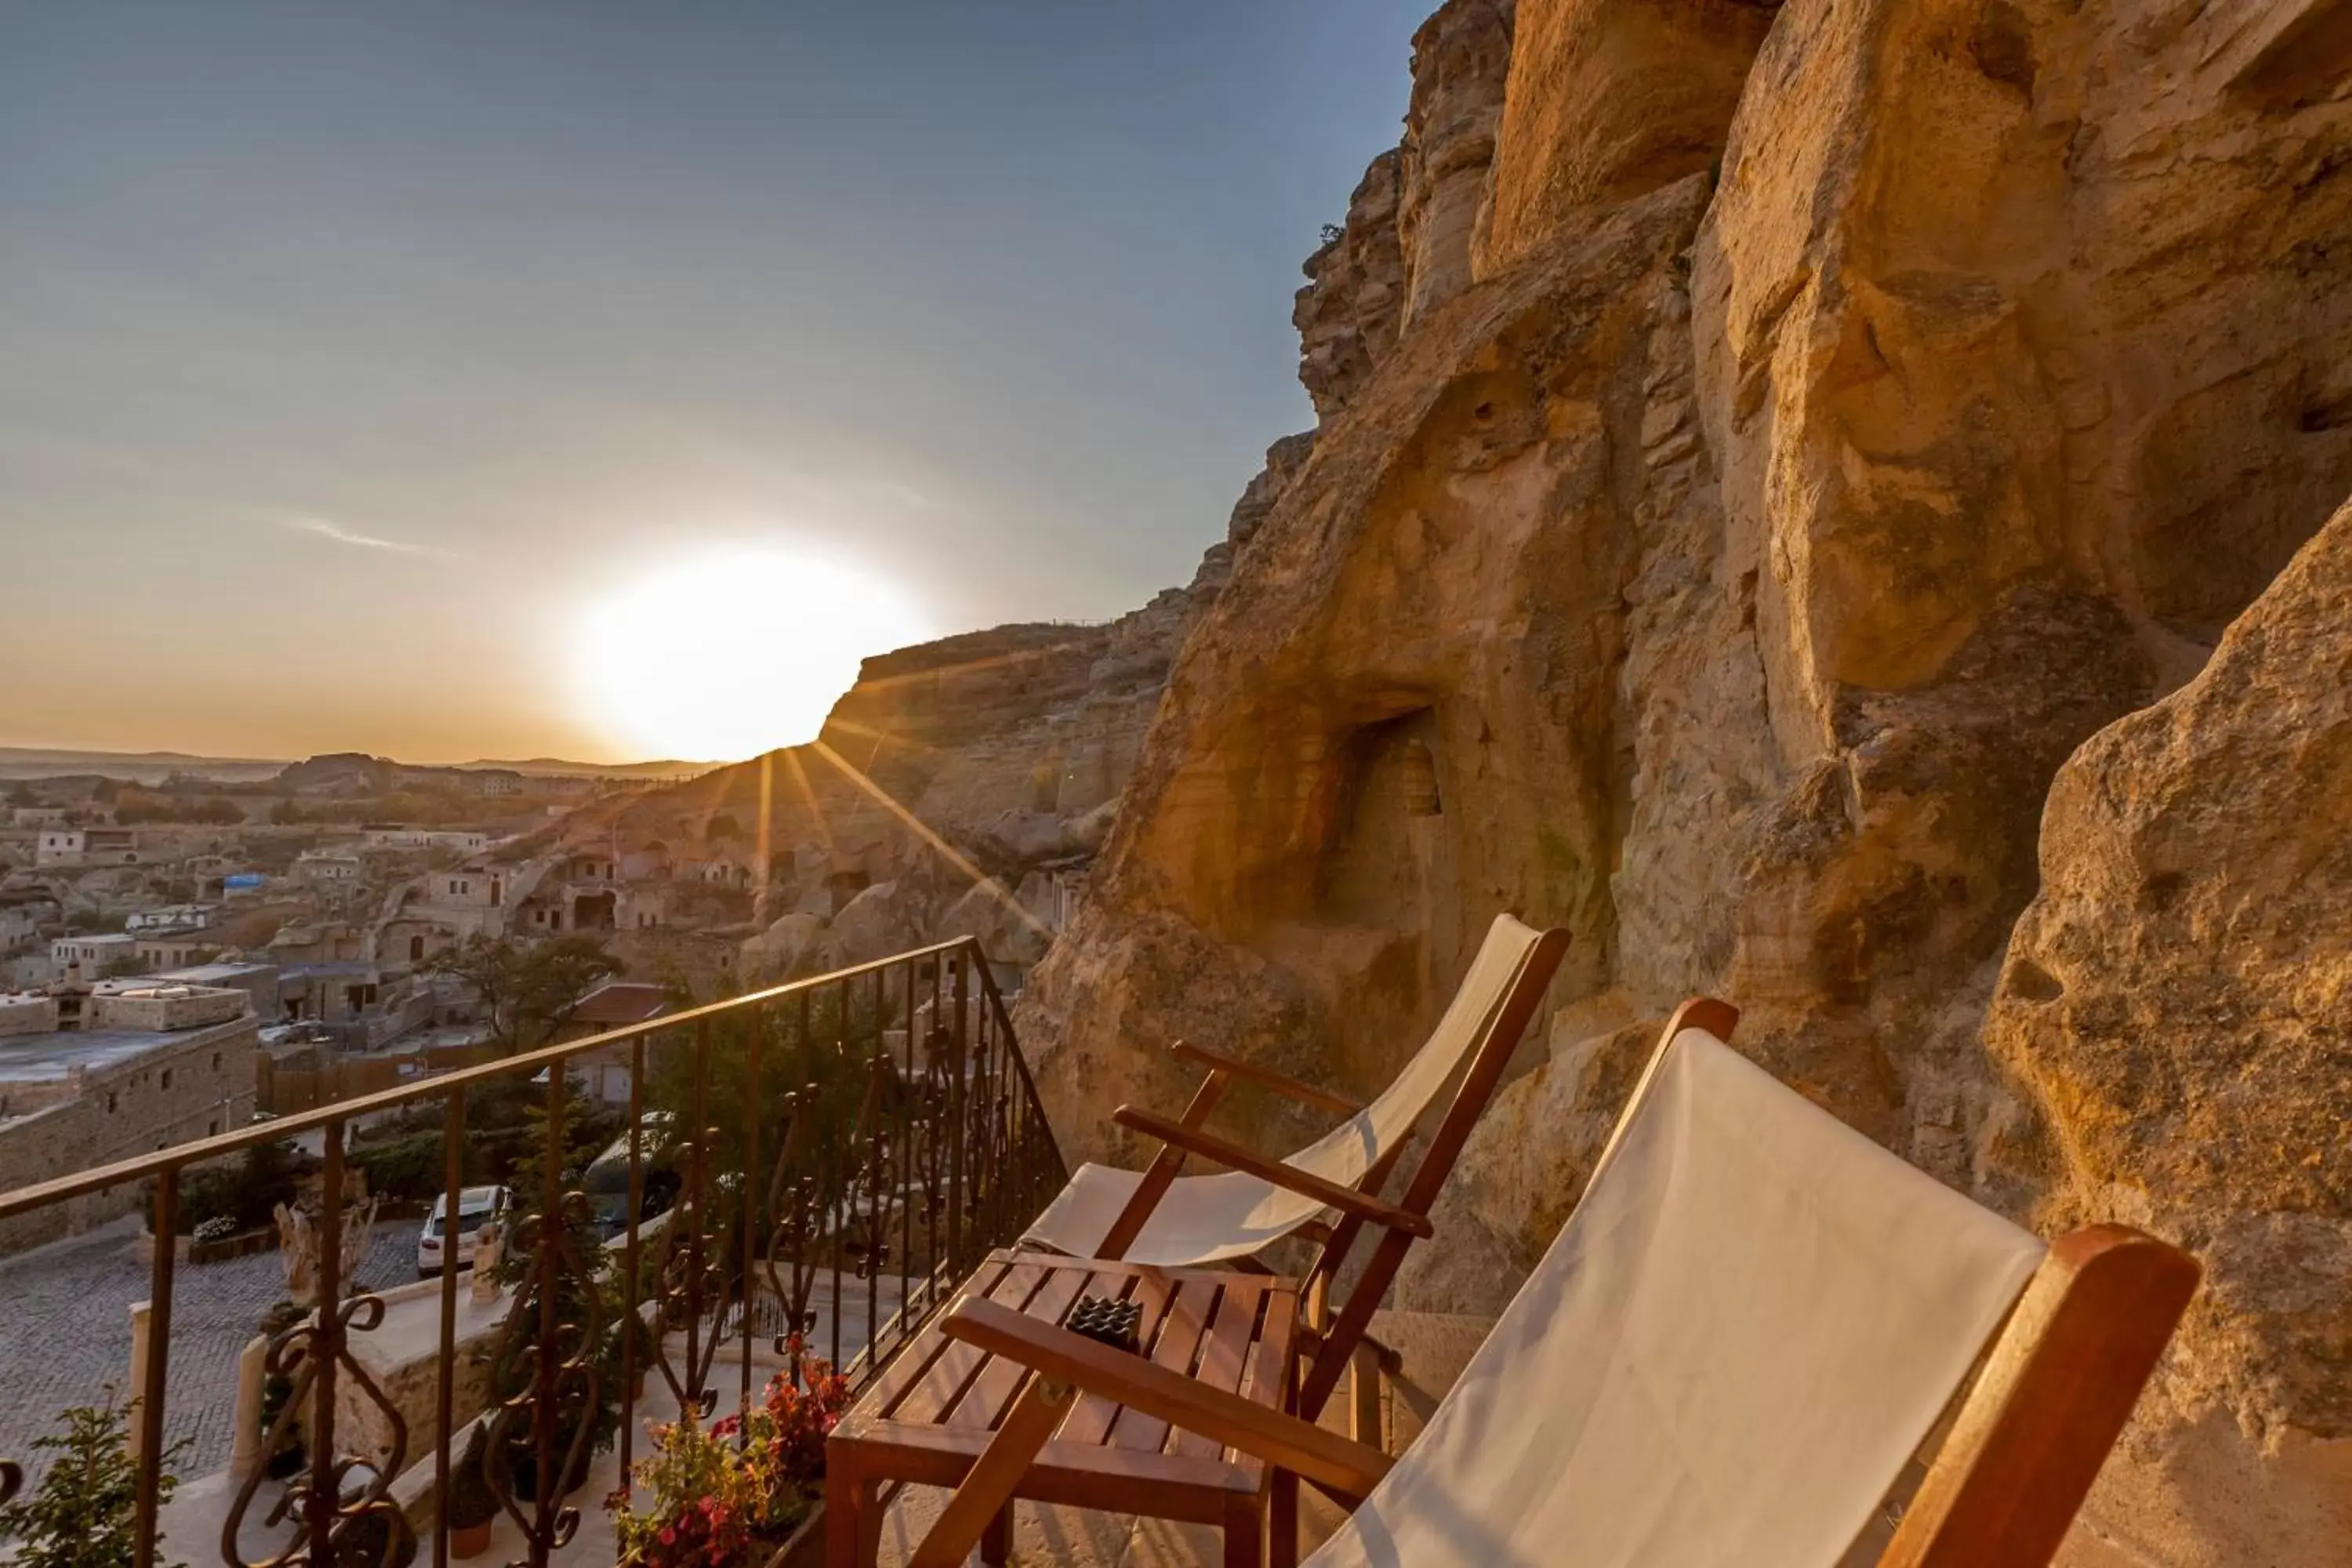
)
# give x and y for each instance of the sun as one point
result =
(732, 654)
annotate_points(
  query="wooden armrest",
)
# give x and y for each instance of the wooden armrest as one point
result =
(1265, 1078)
(1234, 1157)
(1125, 1378)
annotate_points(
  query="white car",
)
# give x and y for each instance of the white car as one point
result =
(477, 1207)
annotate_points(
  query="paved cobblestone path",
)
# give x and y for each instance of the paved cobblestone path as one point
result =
(65, 1335)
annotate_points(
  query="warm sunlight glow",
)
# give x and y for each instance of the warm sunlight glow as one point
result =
(729, 656)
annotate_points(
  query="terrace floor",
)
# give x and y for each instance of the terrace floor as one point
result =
(1433, 1351)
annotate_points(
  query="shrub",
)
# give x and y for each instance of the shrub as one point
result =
(246, 1193)
(579, 1298)
(409, 1167)
(85, 1512)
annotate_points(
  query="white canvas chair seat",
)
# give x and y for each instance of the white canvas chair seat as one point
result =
(1740, 1336)
(1230, 1214)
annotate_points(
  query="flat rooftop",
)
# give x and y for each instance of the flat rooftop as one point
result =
(46, 1058)
(211, 974)
(332, 969)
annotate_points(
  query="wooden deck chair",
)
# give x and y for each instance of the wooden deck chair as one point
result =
(1735, 1346)
(1328, 1190)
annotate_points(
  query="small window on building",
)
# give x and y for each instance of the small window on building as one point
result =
(109, 1102)
(216, 1061)
(212, 1129)
(167, 1077)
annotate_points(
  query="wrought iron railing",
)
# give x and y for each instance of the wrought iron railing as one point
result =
(820, 1161)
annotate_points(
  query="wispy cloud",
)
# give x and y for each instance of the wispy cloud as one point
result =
(327, 528)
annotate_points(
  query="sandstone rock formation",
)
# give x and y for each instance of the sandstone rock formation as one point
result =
(949, 775)
(1609, 98)
(1282, 463)
(958, 788)
(1860, 405)
(1347, 314)
(1434, 598)
(1460, 58)
(2176, 1005)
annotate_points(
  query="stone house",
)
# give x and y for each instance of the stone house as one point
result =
(93, 952)
(87, 846)
(178, 949)
(605, 1073)
(142, 1068)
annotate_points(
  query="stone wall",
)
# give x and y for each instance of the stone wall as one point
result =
(189, 1086)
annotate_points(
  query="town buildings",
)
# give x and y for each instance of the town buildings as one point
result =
(94, 953)
(606, 1072)
(298, 942)
(88, 847)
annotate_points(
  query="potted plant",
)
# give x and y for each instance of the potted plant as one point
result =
(597, 1400)
(473, 1507)
(736, 1492)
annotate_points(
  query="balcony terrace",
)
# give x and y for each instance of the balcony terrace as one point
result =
(819, 1163)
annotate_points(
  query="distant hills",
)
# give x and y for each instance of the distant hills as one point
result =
(135, 767)
(153, 767)
(544, 766)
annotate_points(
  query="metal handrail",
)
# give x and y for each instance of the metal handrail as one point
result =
(951, 1128)
(24, 1200)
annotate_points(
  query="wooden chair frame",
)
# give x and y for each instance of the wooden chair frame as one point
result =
(2054, 1395)
(1334, 1344)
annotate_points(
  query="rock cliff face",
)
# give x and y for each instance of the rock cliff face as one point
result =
(958, 788)
(1460, 57)
(1861, 409)
(2177, 1005)
(1349, 313)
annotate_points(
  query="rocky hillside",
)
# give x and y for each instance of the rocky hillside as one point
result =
(1829, 502)
(960, 787)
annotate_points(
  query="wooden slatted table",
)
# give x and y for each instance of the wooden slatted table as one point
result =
(930, 1414)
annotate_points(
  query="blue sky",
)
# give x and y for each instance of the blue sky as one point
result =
(349, 354)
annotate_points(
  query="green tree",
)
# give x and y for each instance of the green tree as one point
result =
(85, 1513)
(530, 992)
(287, 813)
(584, 1285)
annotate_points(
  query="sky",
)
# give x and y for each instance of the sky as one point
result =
(451, 380)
